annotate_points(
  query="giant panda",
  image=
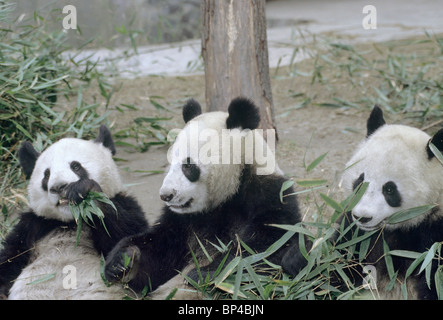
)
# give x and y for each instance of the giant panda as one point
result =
(208, 201)
(40, 258)
(402, 173)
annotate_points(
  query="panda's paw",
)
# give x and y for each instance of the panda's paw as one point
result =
(122, 264)
(77, 191)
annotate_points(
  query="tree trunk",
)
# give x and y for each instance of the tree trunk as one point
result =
(235, 52)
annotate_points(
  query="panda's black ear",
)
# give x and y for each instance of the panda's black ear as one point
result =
(437, 141)
(105, 138)
(191, 109)
(375, 120)
(27, 156)
(243, 113)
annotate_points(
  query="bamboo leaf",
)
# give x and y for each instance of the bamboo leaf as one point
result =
(296, 228)
(356, 196)
(355, 240)
(203, 249)
(364, 247)
(438, 277)
(316, 162)
(388, 261)
(407, 214)
(50, 83)
(79, 231)
(310, 183)
(332, 203)
(227, 271)
(85, 210)
(255, 280)
(230, 288)
(102, 270)
(436, 152)
(285, 186)
(415, 264)
(405, 254)
(428, 258)
(42, 279)
(23, 130)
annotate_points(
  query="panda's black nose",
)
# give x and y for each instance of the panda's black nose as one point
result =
(58, 189)
(362, 219)
(167, 197)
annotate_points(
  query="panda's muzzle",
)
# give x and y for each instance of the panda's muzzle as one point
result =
(362, 220)
(59, 190)
(166, 197)
(184, 206)
(364, 223)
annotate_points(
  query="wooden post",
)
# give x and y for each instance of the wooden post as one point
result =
(235, 52)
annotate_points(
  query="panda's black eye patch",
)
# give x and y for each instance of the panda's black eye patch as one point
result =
(190, 170)
(358, 181)
(45, 179)
(391, 194)
(78, 169)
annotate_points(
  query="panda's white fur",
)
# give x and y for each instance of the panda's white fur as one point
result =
(94, 157)
(394, 153)
(217, 183)
(62, 270)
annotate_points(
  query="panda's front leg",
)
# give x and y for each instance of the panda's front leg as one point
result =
(77, 191)
(129, 263)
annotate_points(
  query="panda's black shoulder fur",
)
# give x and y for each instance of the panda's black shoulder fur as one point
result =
(416, 239)
(17, 247)
(129, 219)
(165, 247)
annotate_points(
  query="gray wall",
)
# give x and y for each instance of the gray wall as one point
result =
(150, 21)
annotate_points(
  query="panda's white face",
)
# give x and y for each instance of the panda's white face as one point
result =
(65, 162)
(194, 183)
(394, 162)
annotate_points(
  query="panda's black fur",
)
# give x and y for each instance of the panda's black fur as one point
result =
(165, 248)
(416, 238)
(19, 244)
